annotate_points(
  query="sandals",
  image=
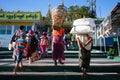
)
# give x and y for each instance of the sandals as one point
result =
(61, 62)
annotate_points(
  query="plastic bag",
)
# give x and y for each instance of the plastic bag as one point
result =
(10, 46)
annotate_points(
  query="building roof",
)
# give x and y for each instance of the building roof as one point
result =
(115, 15)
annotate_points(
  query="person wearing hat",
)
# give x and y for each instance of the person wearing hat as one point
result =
(19, 47)
(43, 44)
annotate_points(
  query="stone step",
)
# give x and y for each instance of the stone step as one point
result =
(44, 69)
(58, 76)
(68, 61)
(61, 69)
(68, 54)
(70, 64)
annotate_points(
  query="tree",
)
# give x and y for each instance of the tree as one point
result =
(84, 12)
(75, 12)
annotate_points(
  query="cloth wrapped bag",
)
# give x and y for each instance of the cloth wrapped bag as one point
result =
(59, 14)
(83, 26)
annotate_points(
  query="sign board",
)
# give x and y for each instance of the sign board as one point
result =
(115, 39)
(18, 16)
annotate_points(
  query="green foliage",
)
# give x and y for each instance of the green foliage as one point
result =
(112, 52)
(76, 12)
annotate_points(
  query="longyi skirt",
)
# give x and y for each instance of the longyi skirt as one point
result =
(57, 48)
(84, 58)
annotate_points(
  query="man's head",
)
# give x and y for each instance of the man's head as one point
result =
(22, 27)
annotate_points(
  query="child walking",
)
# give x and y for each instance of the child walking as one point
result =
(20, 46)
(43, 44)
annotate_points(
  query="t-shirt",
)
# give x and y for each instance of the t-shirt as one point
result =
(44, 40)
(58, 32)
(83, 38)
(20, 45)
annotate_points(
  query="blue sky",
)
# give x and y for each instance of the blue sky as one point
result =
(103, 7)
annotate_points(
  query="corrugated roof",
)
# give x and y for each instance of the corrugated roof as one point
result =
(115, 15)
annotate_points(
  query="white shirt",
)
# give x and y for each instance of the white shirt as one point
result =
(83, 38)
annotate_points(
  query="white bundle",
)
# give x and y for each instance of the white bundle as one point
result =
(83, 26)
(84, 22)
(81, 30)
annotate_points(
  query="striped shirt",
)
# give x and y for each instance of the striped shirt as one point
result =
(20, 45)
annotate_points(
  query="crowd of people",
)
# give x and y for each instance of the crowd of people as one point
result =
(28, 44)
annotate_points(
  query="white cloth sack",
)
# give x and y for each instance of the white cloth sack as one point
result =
(83, 26)
(84, 22)
(81, 30)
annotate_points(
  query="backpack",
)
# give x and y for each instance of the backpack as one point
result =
(32, 41)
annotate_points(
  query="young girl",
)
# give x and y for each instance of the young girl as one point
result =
(43, 44)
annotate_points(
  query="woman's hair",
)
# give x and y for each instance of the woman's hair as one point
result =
(22, 27)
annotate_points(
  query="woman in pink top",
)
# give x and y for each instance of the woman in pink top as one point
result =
(43, 44)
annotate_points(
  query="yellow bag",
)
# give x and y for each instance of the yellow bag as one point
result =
(10, 46)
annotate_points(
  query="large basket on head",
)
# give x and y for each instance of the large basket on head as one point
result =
(58, 15)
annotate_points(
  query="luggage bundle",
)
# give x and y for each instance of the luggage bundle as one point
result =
(83, 26)
(58, 15)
